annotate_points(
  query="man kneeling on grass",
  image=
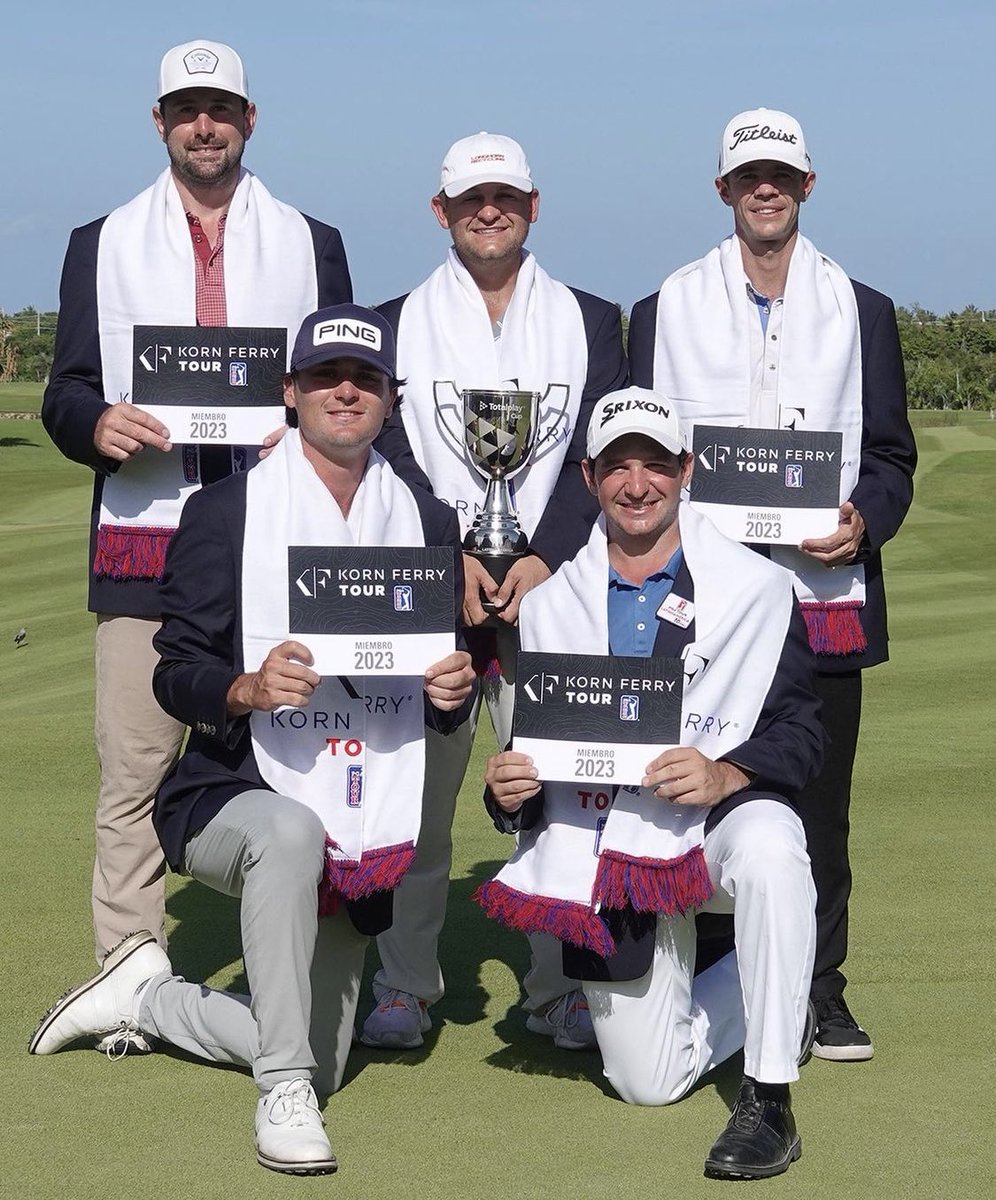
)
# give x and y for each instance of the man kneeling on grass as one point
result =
(260, 806)
(711, 827)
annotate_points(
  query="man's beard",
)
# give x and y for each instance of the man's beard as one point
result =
(198, 173)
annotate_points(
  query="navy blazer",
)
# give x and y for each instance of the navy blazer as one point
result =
(200, 647)
(74, 397)
(884, 490)
(571, 510)
(782, 754)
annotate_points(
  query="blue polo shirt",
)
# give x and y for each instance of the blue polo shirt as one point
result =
(633, 619)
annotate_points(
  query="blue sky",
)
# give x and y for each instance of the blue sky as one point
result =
(620, 107)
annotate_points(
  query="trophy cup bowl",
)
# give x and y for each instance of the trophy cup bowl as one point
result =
(500, 432)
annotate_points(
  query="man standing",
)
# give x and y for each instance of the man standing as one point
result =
(265, 806)
(766, 331)
(490, 317)
(205, 245)
(711, 826)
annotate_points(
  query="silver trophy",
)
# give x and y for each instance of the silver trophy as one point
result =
(500, 432)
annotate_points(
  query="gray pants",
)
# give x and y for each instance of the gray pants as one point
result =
(304, 972)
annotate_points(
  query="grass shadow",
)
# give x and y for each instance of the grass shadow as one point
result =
(8, 443)
(206, 938)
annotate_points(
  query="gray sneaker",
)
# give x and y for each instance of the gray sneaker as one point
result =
(567, 1020)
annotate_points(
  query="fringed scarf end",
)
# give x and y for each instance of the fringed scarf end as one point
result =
(379, 870)
(834, 628)
(652, 885)
(131, 551)
(566, 920)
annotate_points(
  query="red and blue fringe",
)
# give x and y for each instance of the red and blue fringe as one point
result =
(565, 919)
(379, 870)
(834, 627)
(654, 885)
(131, 551)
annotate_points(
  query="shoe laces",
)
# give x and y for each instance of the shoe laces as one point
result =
(395, 998)
(747, 1112)
(294, 1106)
(833, 1010)
(563, 1013)
(115, 1042)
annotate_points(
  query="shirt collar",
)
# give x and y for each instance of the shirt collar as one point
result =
(668, 571)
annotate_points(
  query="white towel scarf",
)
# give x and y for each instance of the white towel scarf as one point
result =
(367, 793)
(445, 335)
(649, 853)
(702, 361)
(146, 276)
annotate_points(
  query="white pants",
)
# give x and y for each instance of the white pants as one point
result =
(409, 950)
(303, 971)
(658, 1035)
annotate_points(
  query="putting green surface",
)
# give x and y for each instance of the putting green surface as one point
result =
(487, 1109)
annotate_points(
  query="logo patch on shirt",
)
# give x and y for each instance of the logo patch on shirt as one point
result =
(354, 785)
(677, 610)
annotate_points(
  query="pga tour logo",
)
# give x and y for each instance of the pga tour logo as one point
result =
(629, 708)
(404, 598)
(354, 785)
(237, 374)
(793, 475)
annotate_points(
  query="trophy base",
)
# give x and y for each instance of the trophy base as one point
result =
(497, 566)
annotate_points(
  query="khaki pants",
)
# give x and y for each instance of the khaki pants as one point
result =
(137, 745)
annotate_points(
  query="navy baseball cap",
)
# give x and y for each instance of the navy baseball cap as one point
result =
(345, 331)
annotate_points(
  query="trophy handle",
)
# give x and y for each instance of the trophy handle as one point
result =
(557, 418)
(451, 429)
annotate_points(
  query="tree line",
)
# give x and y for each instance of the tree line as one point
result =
(950, 360)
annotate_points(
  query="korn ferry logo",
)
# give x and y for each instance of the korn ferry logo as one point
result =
(541, 685)
(155, 356)
(713, 457)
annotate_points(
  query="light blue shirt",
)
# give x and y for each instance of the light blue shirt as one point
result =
(633, 618)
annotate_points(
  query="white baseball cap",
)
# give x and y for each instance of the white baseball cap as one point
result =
(763, 133)
(484, 158)
(203, 64)
(634, 410)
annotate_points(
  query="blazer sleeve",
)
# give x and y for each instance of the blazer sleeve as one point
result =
(571, 511)
(642, 337)
(884, 490)
(74, 398)
(785, 749)
(200, 595)
(392, 441)
(334, 284)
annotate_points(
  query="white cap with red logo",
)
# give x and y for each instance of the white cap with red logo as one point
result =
(484, 158)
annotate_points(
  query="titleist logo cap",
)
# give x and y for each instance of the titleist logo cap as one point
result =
(763, 134)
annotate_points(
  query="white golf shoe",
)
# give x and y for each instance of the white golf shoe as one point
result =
(290, 1131)
(107, 1003)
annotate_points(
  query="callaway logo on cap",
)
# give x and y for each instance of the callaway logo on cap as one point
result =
(634, 410)
(203, 64)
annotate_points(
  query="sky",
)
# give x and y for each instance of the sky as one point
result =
(620, 107)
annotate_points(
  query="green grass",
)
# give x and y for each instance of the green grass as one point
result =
(21, 397)
(486, 1108)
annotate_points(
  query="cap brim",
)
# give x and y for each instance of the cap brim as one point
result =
(600, 445)
(330, 353)
(458, 186)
